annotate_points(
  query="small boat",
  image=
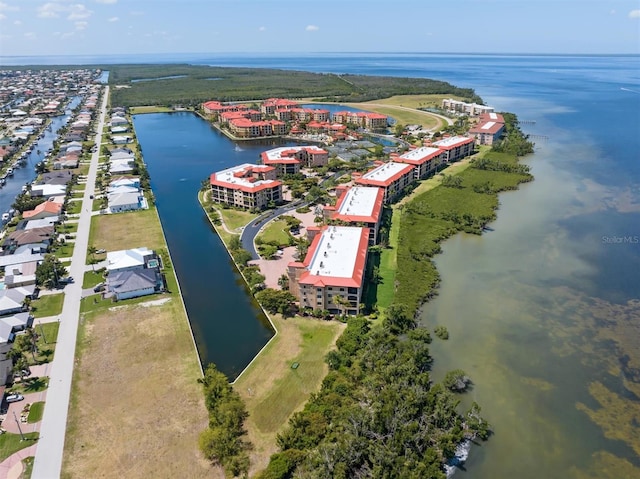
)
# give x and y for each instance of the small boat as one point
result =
(9, 171)
(5, 217)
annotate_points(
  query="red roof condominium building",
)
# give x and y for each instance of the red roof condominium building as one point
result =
(245, 128)
(246, 186)
(358, 206)
(365, 119)
(392, 177)
(425, 160)
(334, 266)
(488, 130)
(287, 160)
(270, 105)
(456, 147)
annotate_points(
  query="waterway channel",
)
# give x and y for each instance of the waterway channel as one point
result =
(26, 173)
(181, 150)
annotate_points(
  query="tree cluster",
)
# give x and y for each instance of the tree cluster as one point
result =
(223, 441)
(378, 413)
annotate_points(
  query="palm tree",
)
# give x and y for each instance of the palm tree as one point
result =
(92, 250)
(21, 368)
(283, 282)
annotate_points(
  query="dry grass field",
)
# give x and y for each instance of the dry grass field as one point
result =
(273, 391)
(136, 407)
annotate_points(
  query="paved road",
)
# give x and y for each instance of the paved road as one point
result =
(48, 461)
(250, 231)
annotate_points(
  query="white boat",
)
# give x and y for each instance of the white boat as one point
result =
(5, 217)
(9, 171)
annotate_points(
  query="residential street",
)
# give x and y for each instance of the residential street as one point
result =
(48, 459)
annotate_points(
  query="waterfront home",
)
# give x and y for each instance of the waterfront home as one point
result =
(36, 239)
(358, 206)
(130, 259)
(45, 209)
(48, 190)
(130, 181)
(134, 283)
(56, 178)
(121, 154)
(121, 139)
(246, 186)
(333, 266)
(488, 130)
(37, 223)
(245, 128)
(425, 160)
(67, 162)
(288, 160)
(118, 121)
(391, 177)
(121, 166)
(9, 327)
(456, 147)
(124, 199)
(119, 129)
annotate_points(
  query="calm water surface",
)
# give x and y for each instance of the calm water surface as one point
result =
(181, 150)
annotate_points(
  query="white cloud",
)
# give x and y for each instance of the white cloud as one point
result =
(17, 22)
(30, 35)
(67, 35)
(262, 29)
(634, 14)
(113, 19)
(4, 7)
(78, 12)
(75, 11)
(312, 28)
(136, 13)
(81, 25)
(2, 16)
(107, 1)
(50, 10)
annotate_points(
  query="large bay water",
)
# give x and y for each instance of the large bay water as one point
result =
(543, 311)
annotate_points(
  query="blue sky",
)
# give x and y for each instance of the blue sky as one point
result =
(92, 27)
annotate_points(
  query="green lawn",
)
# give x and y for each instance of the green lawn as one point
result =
(12, 443)
(275, 231)
(137, 110)
(68, 228)
(234, 219)
(35, 412)
(47, 305)
(27, 464)
(92, 278)
(31, 385)
(65, 250)
(74, 207)
(388, 265)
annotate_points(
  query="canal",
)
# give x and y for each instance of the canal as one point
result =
(26, 173)
(181, 150)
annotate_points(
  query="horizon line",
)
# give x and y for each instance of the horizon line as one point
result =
(275, 53)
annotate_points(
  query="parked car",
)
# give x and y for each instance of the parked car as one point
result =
(98, 287)
(100, 251)
(14, 398)
(68, 279)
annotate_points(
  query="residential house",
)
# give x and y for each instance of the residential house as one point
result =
(125, 198)
(48, 190)
(130, 259)
(45, 209)
(134, 283)
(9, 327)
(34, 239)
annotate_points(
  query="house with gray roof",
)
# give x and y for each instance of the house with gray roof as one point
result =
(134, 283)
